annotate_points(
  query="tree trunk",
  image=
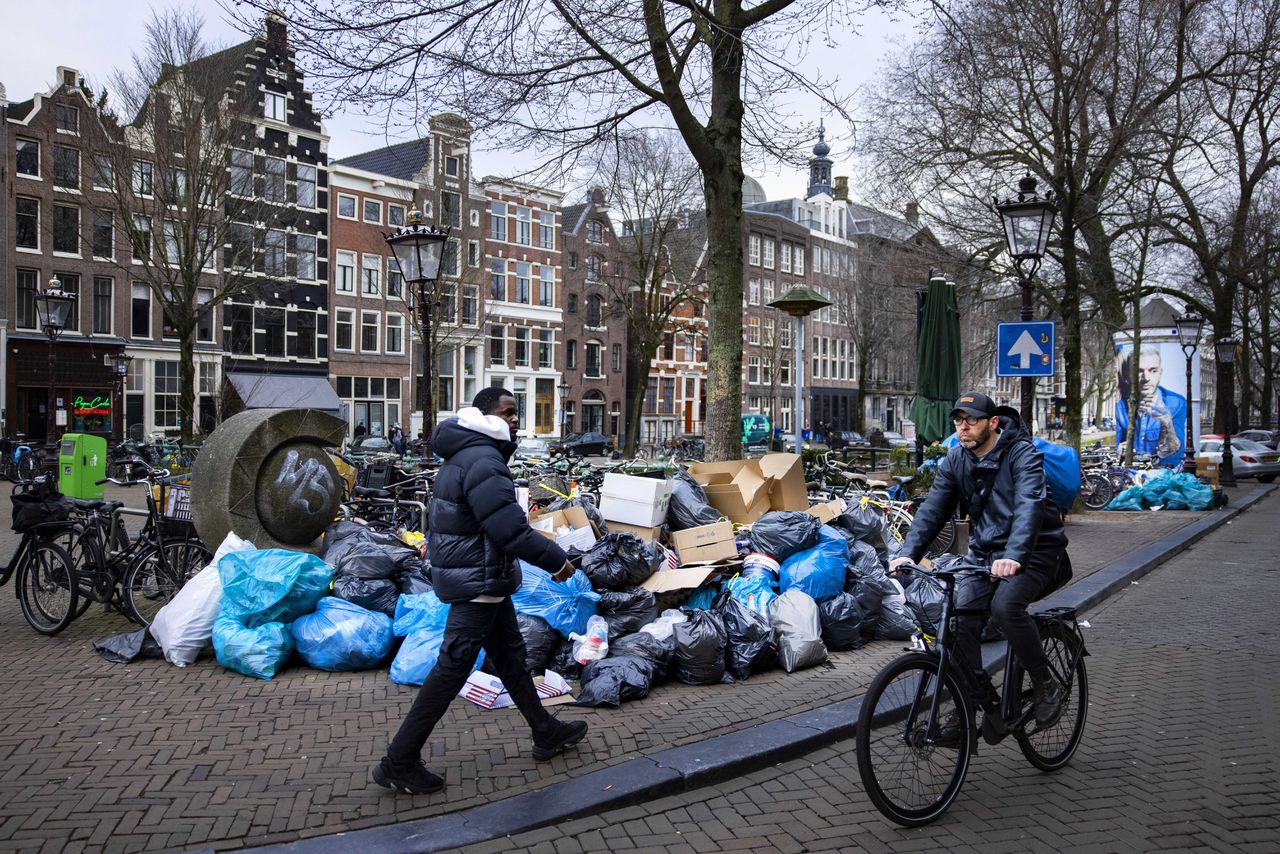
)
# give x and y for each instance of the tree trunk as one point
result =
(1071, 350)
(187, 381)
(639, 358)
(1267, 359)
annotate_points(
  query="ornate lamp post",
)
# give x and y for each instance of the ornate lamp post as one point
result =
(419, 249)
(1226, 350)
(120, 369)
(1190, 325)
(799, 302)
(53, 307)
(563, 388)
(1027, 219)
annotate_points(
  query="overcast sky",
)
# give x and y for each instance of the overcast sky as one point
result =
(94, 37)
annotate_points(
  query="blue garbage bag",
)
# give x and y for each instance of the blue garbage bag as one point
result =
(754, 591)
(566, 605)
(1168, 491)
(341, 635)
(417, 611)
(259, 651)
(418, 655)
(271, 585)
(702, 598)
(818, 571)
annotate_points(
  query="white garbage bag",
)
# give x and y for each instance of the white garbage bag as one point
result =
(798, 626)
(184, 626)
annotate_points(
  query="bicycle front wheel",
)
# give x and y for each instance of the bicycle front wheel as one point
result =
(1052, 747)
(28, 467)
(47, 588)
(911, 777)
(157, 574)
(1096, 491)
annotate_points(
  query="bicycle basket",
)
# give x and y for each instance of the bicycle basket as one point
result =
(37, 508)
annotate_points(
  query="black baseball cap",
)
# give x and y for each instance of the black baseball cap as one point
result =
(975, 403)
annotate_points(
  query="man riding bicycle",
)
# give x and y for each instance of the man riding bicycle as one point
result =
(997, 475)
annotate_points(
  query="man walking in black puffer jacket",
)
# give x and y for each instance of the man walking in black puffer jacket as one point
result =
(478, 530)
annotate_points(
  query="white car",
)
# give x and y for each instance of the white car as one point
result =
(1248, 459)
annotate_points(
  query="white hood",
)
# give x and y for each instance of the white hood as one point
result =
(486, 425)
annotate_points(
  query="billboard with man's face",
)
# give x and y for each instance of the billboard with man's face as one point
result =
(1162, 400)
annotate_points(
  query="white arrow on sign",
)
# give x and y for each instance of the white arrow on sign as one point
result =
(1024, 348)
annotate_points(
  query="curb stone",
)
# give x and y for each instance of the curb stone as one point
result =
(692, 766)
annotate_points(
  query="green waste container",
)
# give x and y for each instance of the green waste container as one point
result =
(82, 462)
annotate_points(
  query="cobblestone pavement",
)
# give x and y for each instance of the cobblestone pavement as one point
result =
(102, 757)
(1181, 752)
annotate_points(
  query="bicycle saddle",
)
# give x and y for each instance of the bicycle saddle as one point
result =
(904, 479)
(90, 505)
(372, 492)
(877, 484)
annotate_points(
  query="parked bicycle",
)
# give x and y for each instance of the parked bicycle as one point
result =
(913, 773)
(20, 461)
(43, 570)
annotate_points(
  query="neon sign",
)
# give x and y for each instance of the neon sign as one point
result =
(100, 405)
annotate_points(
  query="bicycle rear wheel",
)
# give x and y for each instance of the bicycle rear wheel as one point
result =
(47, 588)
(909, 776)
(28, 467)
(157, 574)
(1096, 491)
(1052, 747)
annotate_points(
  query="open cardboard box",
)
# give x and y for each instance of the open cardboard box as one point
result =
(786, 490)
(737, 488)
(649, 535)
(705, 543)
(584, 534)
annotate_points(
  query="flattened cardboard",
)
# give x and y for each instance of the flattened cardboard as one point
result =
(787, 491)
(649, 535)
(825, 513)
(685, 578)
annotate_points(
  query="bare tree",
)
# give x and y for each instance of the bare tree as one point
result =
(560, 75)
(173, 195)
(871, 319)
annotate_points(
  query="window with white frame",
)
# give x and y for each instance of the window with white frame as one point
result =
(498, 279)
(27, 161)
(142, 237)
(753, 249)
(522, 282)
(274, 106)
(371, 275)
(545, 348)
(593, 359)
(369, 324)
(497, 344)
(798, 259)
(27, 223)
(372, 211)
(346, 206)
(768, 253)
(274, 186)
(522, 346)
(753, 330)
(784, 263)
(140, 311)
(344, 281)
(768, 291)
(273, 256)
(205, 318)
(66, 118)
(240, 180)
(395, 279)
(547, 230)
(753, 370)
(344, 329)
(166, 394)
(395, 334)
(768, 331)
(547, 285)
(395, 214)
(143, 177)
(470, 305)
(595, 231)
(451, 167)
(103, 305)
(524, 226)
(66, 229)
(66, 167)
(498, 221)
(753, 291)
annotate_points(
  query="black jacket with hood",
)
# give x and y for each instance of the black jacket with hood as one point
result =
(477, 528)
(1004, 493)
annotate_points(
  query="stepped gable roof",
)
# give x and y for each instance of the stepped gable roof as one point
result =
(404, 160)
(21, 109)
(571, 218)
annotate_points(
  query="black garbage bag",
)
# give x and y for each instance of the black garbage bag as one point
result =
(925, 599)
(620, 560)
(700, 645)
(540, 642)
(588, 506)
(627, 610)
(749, 646)
(867, 524)
(42, 503)
(841, 622)
(354, 550)
(688, 506)
(123, 648)
(863, 561)
(782, 533)
(869, 599)
(415, 576)
(645, 645)
(563, 661)
(612, 681)
(897, 622)
(376, 594)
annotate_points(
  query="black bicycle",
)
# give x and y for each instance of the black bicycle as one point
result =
(911, 768)
(42, 569)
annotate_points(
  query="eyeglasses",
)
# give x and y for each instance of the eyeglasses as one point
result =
(971, 420)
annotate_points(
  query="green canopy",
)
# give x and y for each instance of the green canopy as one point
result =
(937, 363)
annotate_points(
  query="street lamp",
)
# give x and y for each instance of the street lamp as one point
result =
(1027, 220)
(1190, 325)
(563, 388)
(120, 369)
(53, 307)
(1226, 348)
(799, 302)
(419, 249)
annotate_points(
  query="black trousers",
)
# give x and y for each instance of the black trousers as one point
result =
(471, 626)
(1044, 572)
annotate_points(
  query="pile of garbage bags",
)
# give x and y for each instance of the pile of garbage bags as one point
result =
(1165, 490)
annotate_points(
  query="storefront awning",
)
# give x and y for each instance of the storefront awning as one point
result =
(268, 391)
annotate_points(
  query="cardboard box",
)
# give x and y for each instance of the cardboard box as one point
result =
(648, 534)
(705, 544)
(488, 692)
(787, 491)
(688, 577)
(737, 488)
(1208, 470)
(583, 535)
(828, 512)
(634, 500)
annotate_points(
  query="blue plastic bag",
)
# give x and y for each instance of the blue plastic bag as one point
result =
(418, 611)
(271, 585)
(702, 598)
(566, 605)
(418, 655)
(754, 591)
(341, 635)
(1167, 491)
(818, 571)
(259, 652)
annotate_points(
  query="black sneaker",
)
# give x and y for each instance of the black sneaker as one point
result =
(949, 731)
(558, 737)
(412, 779)
(1048, 700)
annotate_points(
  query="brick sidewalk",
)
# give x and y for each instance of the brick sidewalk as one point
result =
(96, 756)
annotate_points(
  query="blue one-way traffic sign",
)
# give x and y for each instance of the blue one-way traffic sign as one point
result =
(1024, 349)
